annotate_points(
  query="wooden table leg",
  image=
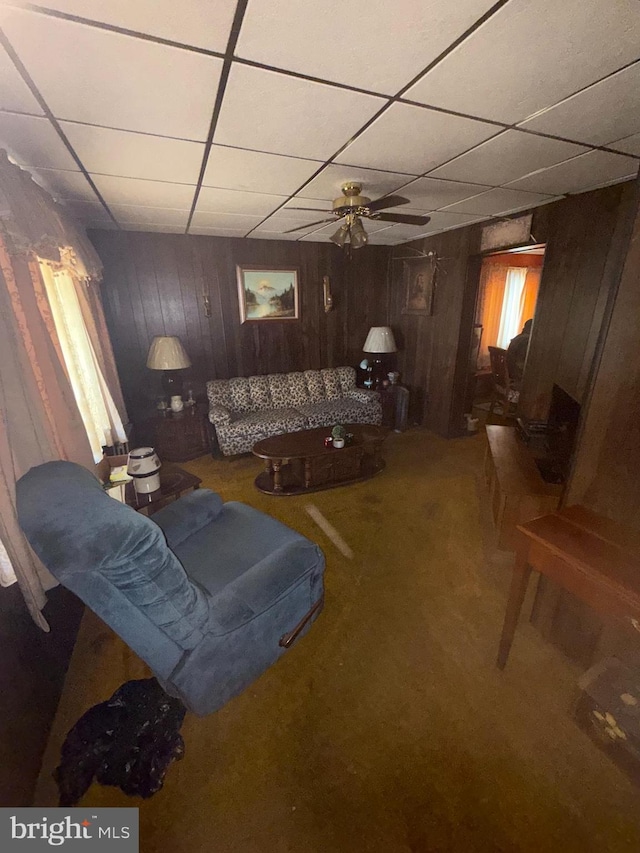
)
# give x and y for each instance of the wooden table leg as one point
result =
(277, 476)
(519, 581)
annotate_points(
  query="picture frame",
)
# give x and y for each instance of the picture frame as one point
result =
(419, 283)
(268, 294)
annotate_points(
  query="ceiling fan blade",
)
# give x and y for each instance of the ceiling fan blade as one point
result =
(387, 201)
(308, 225)
(311, 209)
(404, 218)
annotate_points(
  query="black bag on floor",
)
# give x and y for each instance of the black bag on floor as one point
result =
(129, 741)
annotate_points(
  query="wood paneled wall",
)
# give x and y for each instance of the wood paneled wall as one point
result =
(154, 285)
(575, 286)
(580, 233)
(606, 471)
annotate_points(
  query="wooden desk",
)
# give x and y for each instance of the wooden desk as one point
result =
(518, 492)
(595, 559)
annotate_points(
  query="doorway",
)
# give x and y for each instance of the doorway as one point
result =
(505, 306)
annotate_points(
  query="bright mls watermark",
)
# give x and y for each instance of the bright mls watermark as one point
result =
(76, 829)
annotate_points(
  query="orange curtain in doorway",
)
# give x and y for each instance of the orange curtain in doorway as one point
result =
(530, 294)
(492, 286)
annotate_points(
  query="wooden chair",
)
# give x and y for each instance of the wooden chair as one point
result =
(503, 387)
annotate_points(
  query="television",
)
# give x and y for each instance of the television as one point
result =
(562, 430)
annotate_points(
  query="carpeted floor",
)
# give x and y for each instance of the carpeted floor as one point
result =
(388, 727)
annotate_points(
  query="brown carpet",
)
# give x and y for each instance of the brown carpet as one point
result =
(387, 728)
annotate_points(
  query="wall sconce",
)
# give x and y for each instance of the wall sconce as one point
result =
(326, 290)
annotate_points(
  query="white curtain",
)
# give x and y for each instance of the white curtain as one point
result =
(97, 408)
(7, 575)
(512, 305)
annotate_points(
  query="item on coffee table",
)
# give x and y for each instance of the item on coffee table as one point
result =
(338, 434)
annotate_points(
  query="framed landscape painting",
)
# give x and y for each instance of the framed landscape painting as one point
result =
(419, 276)
(267, 294)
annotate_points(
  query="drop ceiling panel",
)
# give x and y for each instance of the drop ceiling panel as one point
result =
(271, 112)
(235, 168)
(507, 157)
(231, 201)
(379, 46)
(442, 220)
(32, 141)
(631, 145)
(606, 111)
(498, 201)
(327, 185)
(217, 232)
(281, 223)
(414, 140)
(131, 214)
(528, 56)
(135, 155)
(271, 235)
(232, 221)
(144, 193)
(191, 22)
(100, 77)
(291, 207)
(61, 184)
(580, 174)
(14, 92)
(430, 193)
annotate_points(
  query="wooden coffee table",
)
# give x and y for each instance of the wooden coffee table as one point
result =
(299, 462)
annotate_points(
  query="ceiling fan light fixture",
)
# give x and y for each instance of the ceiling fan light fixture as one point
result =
(341, 236)
(359, 237)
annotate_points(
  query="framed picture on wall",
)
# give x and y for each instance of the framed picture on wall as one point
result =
(419, 281)
(267, 294)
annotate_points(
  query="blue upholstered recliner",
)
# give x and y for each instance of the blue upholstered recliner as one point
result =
(209, 594)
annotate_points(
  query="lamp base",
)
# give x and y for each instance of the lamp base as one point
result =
(172, 383)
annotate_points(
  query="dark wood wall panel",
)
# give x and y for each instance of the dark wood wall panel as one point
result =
(573, 291)
(154, 285)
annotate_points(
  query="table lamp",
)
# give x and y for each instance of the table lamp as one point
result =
(167, 353)
(379, 341)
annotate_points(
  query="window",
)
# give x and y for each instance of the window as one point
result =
(97, 409)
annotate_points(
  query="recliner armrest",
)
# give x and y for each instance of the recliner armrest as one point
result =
(187, 515)
(363, 395)
(219, 414)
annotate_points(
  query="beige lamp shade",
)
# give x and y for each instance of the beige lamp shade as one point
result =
(380, 339)
(167, 353)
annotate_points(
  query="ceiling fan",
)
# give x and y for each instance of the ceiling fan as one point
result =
(351, 206)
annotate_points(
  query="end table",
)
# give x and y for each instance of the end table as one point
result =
(180, 436)
(395, 407)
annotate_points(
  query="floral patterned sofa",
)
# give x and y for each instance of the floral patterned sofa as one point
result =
(244, 410)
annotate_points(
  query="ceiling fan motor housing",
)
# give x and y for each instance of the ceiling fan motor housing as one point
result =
(352, 202)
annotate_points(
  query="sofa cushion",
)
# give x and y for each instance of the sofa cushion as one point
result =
(315, 386)
(259, 392)
(279, 388)
(346, 378)
(240, 394)
(218, 392)
(331, 382)
(298, 393)
(332, 412)
(268, 422)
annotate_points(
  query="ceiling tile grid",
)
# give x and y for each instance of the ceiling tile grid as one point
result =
(416, 97)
